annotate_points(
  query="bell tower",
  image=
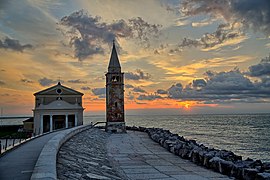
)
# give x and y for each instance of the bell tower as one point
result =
(115, 112)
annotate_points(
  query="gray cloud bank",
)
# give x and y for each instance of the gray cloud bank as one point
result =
(239, 15)
(46, 81)
(223, 33)
(87, 33)
(223, 87)
(137, 75)
(14, 45)
(252, 14)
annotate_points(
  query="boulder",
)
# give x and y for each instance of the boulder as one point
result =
(250, 174)
(184, 152)
(194, 157)
(262, 176)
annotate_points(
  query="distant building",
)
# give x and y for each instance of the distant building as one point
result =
(115, 113)
(57, 107)
(28, 125)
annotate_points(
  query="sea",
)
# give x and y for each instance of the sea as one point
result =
(247, 135)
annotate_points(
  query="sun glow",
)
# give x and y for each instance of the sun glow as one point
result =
(187, 106)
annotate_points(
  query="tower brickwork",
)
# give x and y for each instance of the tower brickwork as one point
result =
(115, 113)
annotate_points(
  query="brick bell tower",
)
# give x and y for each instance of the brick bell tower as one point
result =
(115, 112)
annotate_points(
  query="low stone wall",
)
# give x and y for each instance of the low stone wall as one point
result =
(45, 167)
(222, 161)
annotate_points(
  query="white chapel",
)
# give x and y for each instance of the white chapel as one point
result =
(57, 107)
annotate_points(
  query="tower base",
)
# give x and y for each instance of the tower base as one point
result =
(115, 127)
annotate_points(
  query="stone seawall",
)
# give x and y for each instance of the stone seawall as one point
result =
(222, 161)
(45, 167)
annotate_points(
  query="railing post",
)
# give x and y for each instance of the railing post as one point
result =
(13, 142)
(6, 144)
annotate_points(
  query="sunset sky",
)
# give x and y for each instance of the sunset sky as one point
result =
(178, 56)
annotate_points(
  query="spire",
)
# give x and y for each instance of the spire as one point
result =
(114, 64)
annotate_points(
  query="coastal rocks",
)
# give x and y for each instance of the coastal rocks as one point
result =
(222, 161)
(263, 176)
(84, 156)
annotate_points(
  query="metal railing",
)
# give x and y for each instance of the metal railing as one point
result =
(7, 144)
(99, 122)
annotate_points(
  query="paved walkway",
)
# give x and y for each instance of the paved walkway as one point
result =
(141, 158)
(19, 163)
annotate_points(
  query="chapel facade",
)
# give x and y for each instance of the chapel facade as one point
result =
(57, 107)
(115, 112)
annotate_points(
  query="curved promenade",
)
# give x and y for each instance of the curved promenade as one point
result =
(19, 163)
(139, 157)
(94, 154)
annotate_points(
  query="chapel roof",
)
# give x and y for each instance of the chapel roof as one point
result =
(58, 86)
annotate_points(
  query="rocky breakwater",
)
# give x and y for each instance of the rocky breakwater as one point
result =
(222, 161)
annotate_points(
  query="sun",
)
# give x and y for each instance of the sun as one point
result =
(187, 106)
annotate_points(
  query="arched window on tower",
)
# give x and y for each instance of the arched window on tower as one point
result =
(115, 104)
(115, 79)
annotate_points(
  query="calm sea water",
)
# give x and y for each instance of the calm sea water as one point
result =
(247, 135)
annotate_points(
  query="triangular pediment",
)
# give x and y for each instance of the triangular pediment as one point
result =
(58, 89)
(59, 104)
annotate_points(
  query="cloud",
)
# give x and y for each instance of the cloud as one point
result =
(85, 88)
(265, 82)
(137, 75)
(150, 97)
(14, 45)
(228, 82)
(202, 23)
(261, 69)
(26, 81)
(46, 82)
(223, 36)
(175, 91)
(130, 96)
(87, 33)
(161, 91)
(251, 14)
(99, 91)
(129, 86)
(77, 81)
(199, 83)
(143, 30)
(223, 87)
(139, 90)
(2, 83)
(5, 94)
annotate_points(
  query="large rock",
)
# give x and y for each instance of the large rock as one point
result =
(221, 165)
(250, 174)
(262, 176)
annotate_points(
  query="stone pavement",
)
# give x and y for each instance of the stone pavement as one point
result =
(95, 154)
(138, 157)
(20, 162)
(84, 156)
